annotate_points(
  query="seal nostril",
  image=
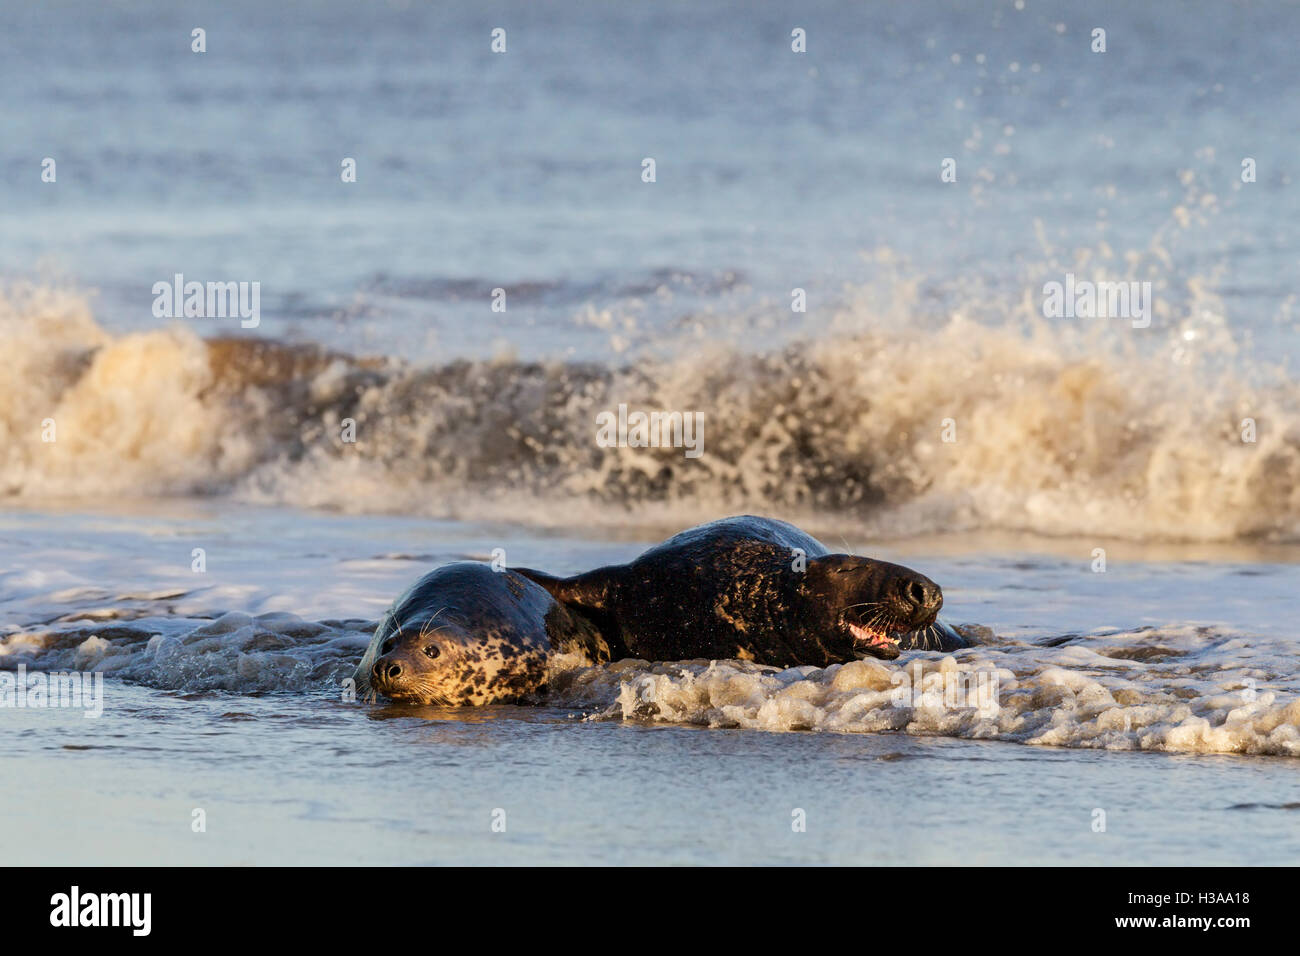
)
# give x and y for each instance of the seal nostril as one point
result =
(916, 593)
(394, 671)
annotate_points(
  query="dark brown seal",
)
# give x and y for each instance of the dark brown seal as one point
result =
(756, 589)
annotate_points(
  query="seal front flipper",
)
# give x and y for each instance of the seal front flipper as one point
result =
(588, 596)
(587, 592)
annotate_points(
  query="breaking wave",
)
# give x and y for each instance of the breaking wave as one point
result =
(1055, 430)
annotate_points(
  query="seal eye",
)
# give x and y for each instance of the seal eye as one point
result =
(432, 651)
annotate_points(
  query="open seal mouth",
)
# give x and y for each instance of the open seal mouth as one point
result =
(877, 643)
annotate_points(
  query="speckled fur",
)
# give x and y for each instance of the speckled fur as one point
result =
(494, 633)
(728, 589)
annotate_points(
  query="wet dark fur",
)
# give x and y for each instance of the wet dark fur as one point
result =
(494, 633)
(728, 589)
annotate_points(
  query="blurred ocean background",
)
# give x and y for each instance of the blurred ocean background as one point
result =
(475, 429)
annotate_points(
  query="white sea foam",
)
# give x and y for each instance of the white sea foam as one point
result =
(1186, 689)
(1181, 689)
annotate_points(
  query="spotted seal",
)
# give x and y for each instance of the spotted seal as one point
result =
(756, 589)
(466, 635)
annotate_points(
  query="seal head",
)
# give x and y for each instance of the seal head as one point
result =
(466, 635)
(874, 604)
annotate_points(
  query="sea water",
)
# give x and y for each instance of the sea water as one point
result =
(1111, 508)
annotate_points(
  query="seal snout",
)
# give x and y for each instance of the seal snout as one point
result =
(386, 674)
(385, 670)
(396, 672)
(922, 597)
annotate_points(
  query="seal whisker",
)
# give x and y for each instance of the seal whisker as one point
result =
(864, 604)
(424, 629)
